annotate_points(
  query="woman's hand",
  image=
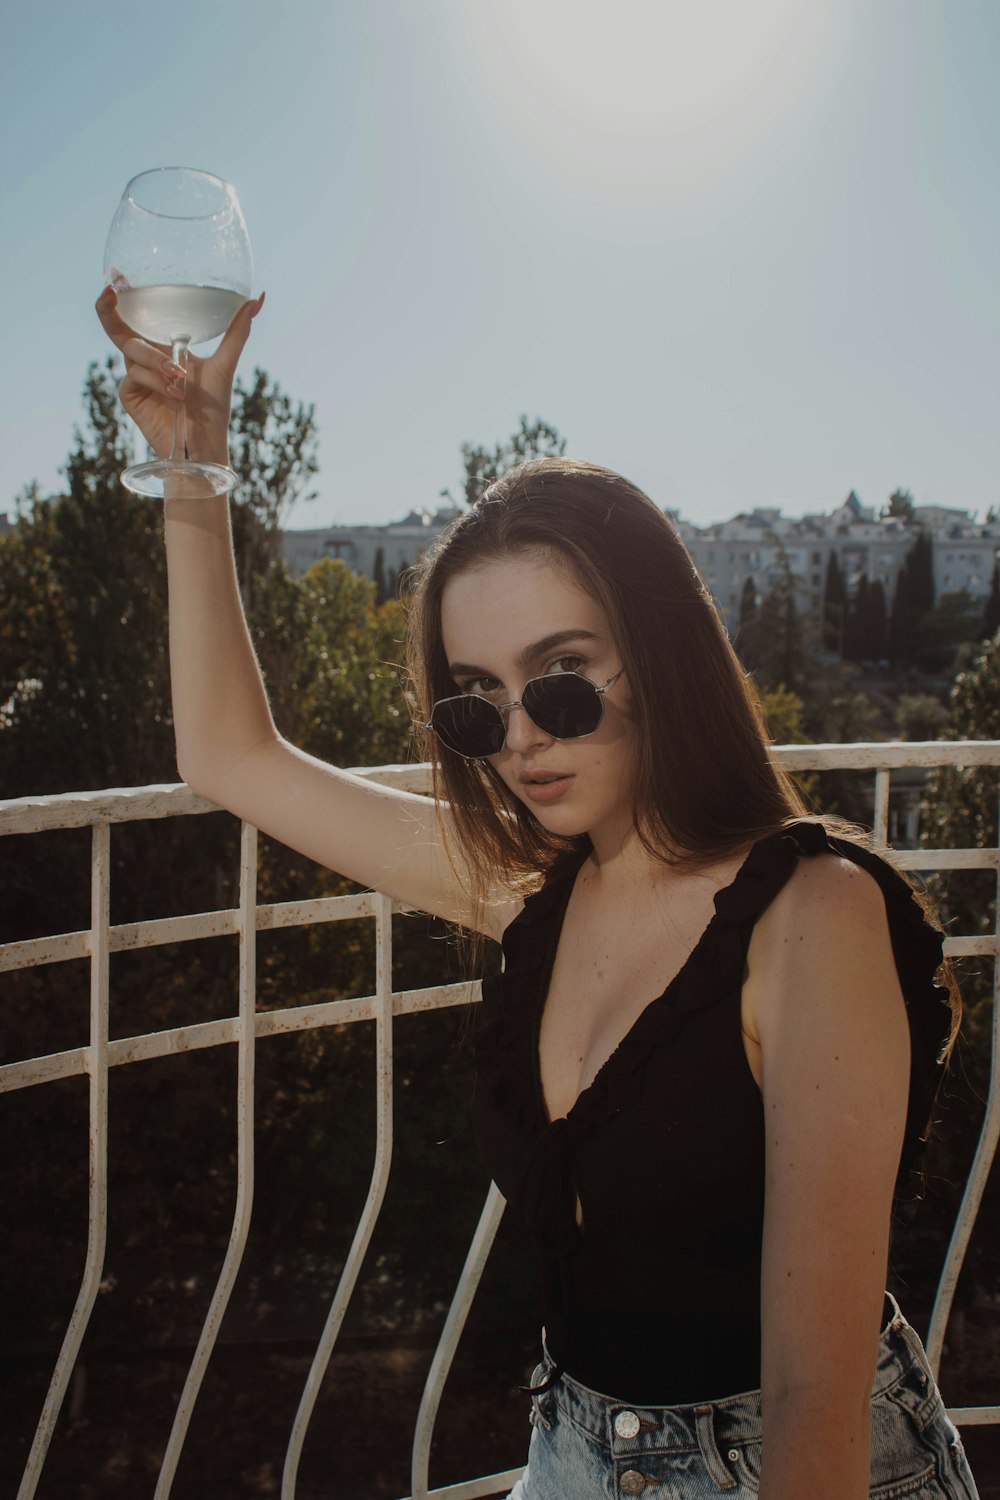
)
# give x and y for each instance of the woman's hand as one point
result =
(153, 384)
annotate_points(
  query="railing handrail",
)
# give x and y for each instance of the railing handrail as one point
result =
(172, 799)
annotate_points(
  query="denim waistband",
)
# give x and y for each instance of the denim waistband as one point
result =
(608, 1419)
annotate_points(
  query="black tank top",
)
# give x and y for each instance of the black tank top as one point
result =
(656, 1300)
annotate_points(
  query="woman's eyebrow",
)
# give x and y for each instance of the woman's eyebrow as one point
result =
(529, 654)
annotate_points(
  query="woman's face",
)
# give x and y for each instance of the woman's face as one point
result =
(511, 619)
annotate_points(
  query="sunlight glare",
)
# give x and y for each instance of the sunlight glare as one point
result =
(636, 95)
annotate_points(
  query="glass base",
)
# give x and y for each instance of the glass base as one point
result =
(187, 479)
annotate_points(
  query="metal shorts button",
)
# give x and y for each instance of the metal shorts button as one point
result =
(626, 1424)
(633, 1482)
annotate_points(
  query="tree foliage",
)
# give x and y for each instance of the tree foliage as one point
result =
(900, 505)
(772, 641)
(865, 636)
(912, 600)
(482, 466)
(990, 623)
(834, 606)
(272, 445)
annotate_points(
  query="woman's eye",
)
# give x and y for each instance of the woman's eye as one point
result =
(484, 687)
(566, 664)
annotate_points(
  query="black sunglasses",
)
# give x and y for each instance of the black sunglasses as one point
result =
(563, 704)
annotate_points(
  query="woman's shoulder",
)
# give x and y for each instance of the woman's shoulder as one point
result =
(836, 889)
(835, 904)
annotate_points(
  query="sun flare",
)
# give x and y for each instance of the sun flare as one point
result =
(657, 95)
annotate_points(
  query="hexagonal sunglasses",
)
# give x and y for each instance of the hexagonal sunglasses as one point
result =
(566, 705)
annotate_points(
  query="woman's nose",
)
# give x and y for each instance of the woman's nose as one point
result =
(522, 731)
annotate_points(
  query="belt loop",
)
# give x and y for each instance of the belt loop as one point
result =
(705, 1429)
(545, 1385)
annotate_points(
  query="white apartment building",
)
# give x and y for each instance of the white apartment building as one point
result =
(401, 542)
(759, 544)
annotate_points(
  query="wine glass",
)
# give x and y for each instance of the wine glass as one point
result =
(178, 256)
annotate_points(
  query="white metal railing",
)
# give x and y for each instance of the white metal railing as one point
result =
(99, 810)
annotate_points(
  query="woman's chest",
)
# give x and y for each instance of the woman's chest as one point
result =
(602, 982)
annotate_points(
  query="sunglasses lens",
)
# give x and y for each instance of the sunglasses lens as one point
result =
(468, 725)
(563, 705)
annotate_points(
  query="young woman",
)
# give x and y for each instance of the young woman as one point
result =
(704, 1072)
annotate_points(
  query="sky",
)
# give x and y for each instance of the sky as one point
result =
(743, 251)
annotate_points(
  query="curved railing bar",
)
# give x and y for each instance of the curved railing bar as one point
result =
(376, 1193)
(245, 1160)
(97, 1219)
(975, 1183)
(468, 1282)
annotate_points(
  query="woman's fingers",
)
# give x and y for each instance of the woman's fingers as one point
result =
(227, 356)
(150, 357)
(113, 323)
(160, 382)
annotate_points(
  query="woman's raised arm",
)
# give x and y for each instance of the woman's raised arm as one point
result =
(228, 748)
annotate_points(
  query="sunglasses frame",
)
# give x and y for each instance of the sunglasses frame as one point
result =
(502, 710)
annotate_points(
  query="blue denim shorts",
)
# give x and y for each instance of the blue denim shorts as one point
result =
(585, 1446)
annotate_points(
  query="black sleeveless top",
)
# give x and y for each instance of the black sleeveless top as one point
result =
(656, 1300)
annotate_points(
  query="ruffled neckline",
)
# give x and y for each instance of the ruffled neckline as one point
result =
(508, 1045)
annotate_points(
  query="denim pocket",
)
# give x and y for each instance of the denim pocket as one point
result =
(922, 1478)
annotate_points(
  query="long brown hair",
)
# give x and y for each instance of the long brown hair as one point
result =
(687, 686)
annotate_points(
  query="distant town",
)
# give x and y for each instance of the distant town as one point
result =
(762, 545)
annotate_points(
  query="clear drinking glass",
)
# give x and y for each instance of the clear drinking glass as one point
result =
(178, 255)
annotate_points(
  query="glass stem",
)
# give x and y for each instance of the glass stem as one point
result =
(179, 452)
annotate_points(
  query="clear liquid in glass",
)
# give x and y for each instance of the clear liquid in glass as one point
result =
(163, 314)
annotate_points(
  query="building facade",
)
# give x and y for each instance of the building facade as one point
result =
(761, 544)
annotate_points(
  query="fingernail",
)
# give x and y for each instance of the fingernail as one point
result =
(258, 304)
(177, 371)
(105, 294)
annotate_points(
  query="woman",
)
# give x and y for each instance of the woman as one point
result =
(694, 1075)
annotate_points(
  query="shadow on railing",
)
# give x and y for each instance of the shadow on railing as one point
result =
(99, 810)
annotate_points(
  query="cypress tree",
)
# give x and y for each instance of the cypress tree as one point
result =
(991, 614)
(378, 574)
(834, 607)
(876, 621)
(854, 631)
(748, 602)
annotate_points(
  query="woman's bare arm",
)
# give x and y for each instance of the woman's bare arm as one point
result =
(228, 748)
(826, 1001)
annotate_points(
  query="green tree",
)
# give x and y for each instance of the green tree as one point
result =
(920, 716)
(866, 622)
(956, 618)
(854, 636)
(482, 466)
(900, 505)
(913, 599)
(960, 804)
(378, 576)
(959, 810)
(991, 613)
(784, 715)
(83, 623)
(876, 621)
(779, 641)
(272, 444)
(834, 607)
(748, 603)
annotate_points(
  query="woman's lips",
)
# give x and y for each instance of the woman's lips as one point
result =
(546, 791)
